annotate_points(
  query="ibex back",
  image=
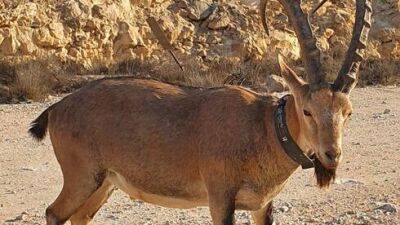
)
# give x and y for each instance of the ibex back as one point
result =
(184, 147)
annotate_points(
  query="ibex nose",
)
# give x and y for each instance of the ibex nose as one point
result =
(333, 156)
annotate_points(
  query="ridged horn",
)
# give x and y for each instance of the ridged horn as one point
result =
(310, 53)
(347, 77)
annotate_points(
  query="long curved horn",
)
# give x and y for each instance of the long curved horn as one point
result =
(347, 77)
(309, 51)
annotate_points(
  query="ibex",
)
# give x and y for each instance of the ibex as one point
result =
(227, 148)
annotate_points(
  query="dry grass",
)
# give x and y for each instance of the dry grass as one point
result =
(249, 74)
(199, 73)
(35, 80)
(385, 72)
(30, 85)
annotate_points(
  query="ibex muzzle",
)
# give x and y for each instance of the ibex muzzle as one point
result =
(184, 147)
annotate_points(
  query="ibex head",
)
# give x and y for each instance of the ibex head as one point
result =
(322, 107)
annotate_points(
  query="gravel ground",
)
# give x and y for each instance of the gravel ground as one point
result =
(367, 190)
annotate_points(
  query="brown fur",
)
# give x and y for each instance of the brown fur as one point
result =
(183, 147)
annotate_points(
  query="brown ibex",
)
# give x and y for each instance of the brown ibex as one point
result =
(227, 148)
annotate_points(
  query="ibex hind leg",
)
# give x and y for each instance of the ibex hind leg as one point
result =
(87, 211)
(79, 186)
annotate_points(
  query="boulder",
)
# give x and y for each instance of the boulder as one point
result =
(275, 83)
(200, 10)
(128, 38)
(219, 22)
(10, 44)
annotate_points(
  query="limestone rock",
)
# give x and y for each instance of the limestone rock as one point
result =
(10, 44)
(219, 22)
(71, 10)
(27, 46)
(200, 10)
(128, 38)
(275, 83)
(105, 32)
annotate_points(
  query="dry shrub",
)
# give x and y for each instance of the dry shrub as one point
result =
(233, 71)
(7, 73)
(197, 72)
(385, 72)
(35, 80)
(30, 82)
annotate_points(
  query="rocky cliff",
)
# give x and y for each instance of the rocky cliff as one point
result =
(97, 34)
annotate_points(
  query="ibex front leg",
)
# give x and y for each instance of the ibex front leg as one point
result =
(264, 216)
(221, 190)
(222, 206)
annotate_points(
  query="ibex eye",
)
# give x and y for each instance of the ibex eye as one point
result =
(307, 113)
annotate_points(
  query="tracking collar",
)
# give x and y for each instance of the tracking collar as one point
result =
(286, 140)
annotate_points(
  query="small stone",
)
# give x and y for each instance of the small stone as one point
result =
(10, 192)
(112, 217)
(386, 207)
(377, 116)
(27, 169)
(20, 217)
(347, 181)
(386, 111)
(242, 215)
(284, 209)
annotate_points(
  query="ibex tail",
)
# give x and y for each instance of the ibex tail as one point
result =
(38, 127)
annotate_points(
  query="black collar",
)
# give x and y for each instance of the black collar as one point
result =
(286, 140)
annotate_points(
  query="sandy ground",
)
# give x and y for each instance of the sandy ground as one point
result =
(366, 192)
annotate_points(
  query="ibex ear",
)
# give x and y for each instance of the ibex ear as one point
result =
(294, 81)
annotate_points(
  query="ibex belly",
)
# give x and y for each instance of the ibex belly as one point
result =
(246, 199)
(199, 197)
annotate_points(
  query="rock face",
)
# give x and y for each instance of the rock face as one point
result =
(101, 33)
(276, 83)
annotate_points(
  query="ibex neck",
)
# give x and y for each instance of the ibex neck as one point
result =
(294, 125)
(292, 118)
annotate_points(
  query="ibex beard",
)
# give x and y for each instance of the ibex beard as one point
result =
(324, 175)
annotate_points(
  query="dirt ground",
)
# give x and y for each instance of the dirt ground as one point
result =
(367, 190)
